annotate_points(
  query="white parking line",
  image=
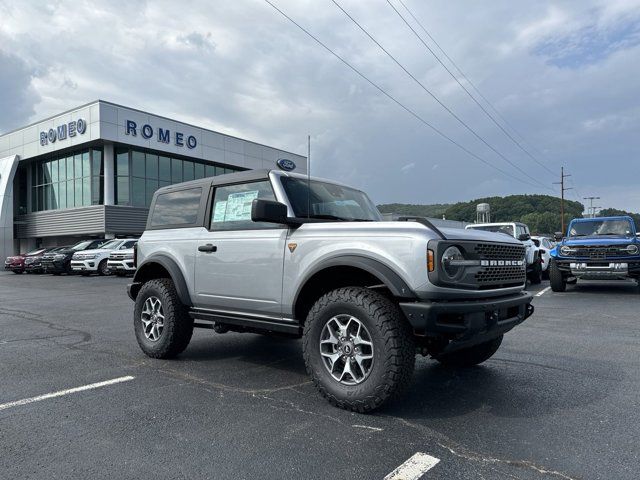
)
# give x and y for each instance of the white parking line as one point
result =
(61, 393)
(414, 468)
(543, 291)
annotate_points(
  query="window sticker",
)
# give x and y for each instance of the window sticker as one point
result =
(219, 212)
(239, 206)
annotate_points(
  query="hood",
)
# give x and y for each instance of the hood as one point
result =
(96, 251)
(476, 234)
(598, 240)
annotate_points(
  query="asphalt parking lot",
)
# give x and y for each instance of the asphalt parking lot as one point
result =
(559, 400)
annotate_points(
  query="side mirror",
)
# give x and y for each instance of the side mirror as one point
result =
(557, 236)
(269, 211)
(524, 237)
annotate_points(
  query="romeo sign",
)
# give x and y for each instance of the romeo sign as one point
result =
(61, 132)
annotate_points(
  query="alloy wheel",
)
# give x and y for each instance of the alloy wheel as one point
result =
(346, 349)
(152, 318)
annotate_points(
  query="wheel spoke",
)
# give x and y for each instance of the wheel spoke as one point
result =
(332, 357)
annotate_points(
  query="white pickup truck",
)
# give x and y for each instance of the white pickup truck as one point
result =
(520, 232)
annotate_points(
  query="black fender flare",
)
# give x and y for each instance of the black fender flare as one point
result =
(170, 266)
(387, 276)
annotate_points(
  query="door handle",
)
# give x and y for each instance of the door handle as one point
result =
(207, 248)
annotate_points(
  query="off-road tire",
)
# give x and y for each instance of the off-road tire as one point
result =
(393, 343)
(557, 280)
(471, 356)
(178, 325)
(535, 276)
(103, 269)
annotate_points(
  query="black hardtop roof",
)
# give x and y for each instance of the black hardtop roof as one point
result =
(247, 175)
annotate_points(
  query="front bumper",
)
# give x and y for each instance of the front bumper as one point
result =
(467, 323)
(121, 266)
(84, 265)
(600, 270)
(14, 267)
(54, 266)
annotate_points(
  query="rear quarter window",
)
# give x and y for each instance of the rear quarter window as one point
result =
(179, 208)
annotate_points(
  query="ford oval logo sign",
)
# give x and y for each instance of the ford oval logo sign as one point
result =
(286, 164)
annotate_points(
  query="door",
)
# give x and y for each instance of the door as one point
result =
(239, 263)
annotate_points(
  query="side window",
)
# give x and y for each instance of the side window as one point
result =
(519, 230)
(231, 209)
(179, 208)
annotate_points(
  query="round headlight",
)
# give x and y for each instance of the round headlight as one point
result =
(632, 249)
(451, 253)
(564, 250)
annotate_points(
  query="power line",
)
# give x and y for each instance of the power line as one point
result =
(453, 114)
(459, 82)
(397, 102)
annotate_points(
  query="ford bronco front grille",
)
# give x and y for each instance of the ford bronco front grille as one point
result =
(504, 266)
(496, 251)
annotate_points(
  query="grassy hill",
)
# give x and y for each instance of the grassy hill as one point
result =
(540, 212)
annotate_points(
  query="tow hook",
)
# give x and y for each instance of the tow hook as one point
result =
(529, 312)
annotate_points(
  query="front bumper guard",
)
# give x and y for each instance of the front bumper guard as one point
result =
(468, 323)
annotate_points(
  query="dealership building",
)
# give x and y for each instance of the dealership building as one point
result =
(92, 171)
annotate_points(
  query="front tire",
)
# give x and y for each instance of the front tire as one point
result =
(103, 268)
(468, 357)
(161, 322)
(358, 349)
(535, 276)
(557, 280)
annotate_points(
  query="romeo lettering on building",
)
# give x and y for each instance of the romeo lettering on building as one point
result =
(162, 135)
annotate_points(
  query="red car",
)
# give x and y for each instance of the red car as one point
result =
(16, 263)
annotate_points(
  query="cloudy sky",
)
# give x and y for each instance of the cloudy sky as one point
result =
(565, 75)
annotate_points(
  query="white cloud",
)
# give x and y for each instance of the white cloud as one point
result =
(242, 69)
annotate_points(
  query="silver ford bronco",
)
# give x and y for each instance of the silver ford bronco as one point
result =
(275, 252)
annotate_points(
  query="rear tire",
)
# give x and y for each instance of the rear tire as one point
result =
(163, 329)
(361, 337)
(557, 280)
(468, 357)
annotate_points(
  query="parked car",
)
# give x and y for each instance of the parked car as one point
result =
(33, 263)
(16, 263)
(545, 245)
(520, 232)
(59, 262)
(600, 248)
(270, 251)
(95, 260)
(121, 262)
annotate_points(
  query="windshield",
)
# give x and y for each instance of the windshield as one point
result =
(506, 229)
(35, 252)
(328, 200)
(81, 245)
(600, 227)
(113, 244)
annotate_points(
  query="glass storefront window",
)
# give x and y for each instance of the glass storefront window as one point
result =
(67, 181)
(139, 173)
(164, 170)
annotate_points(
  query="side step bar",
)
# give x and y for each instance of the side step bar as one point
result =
(264, 324)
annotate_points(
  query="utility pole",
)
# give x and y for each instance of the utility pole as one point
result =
(592, 211)
(562, 190)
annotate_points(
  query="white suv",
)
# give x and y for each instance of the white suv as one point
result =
(95, 261)
(121, 262)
